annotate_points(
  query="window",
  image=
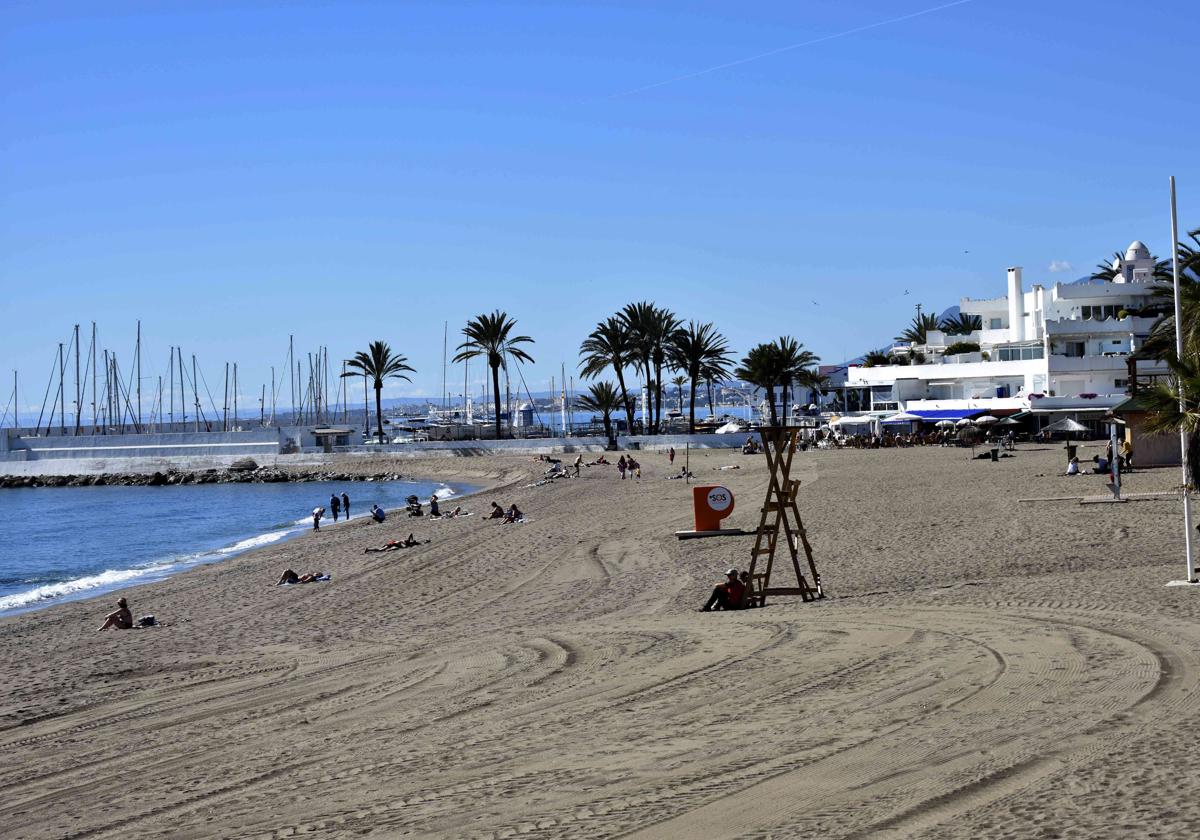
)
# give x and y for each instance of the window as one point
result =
(1018, 354)
(1117, 341)
(1120, 383)
(994, 324)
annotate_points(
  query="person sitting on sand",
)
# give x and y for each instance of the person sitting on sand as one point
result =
(683, 473)
(598, 462)
(289, 576)
(497, 512)
(121, 619)
(1073, 467)
(621, 467)
(433, 507)
(728, 595)
(377, 514)
(458, 511)
(513, 515)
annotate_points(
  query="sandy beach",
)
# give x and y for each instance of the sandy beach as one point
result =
(981, 667)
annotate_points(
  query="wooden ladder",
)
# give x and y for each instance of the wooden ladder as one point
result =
(779, 513)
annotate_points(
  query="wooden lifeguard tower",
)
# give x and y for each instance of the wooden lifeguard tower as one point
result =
(780, 514)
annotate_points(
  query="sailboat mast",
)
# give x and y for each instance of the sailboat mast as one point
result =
(92, 365)
(225, 407)
(78, 392)
(292, 382)
(138, 367)
(235, 395)
(195, 393)
(445, 347)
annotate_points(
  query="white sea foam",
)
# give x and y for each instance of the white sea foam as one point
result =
(252, 542)
(108, 578)
(114, 578)
(444, 492)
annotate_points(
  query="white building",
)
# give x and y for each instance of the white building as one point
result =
(1069, 340)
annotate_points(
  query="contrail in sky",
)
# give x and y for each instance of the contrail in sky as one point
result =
(788, 48)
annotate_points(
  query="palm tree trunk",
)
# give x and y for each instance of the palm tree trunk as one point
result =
(692, 409)
(628, 403)
(496, 393)
(771, 405)
(608, 426)
(379, 409)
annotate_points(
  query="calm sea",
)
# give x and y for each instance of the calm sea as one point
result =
(58, 543)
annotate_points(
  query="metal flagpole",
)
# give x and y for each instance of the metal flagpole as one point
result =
(1183, 438)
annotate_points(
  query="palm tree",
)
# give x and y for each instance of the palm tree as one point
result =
(1162, 399)
(378, 364)
(652, 330)
(876, 358)
(1160, 344)
(609, 346)
(678, 381)
(701, 353)
(1166, 416)
(917, 330)
(792, 360)
(603, 399)
(961, 324)
(761, 369)
(488, 336)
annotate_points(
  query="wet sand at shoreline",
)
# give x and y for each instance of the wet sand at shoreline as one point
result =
(982, 667)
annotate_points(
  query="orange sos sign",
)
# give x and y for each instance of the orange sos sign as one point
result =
(710, 505)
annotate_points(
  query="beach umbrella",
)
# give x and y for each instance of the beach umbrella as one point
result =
(944, 424)
(1066, 424)
(1008, 421)
(902, 417)
(966, 421)
(985, 420)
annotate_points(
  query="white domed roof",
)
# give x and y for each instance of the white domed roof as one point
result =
(1137, 251)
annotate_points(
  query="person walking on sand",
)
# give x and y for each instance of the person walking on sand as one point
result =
(346, 505)
(318, 512)
(578, 463)
(671, 456)
(121, 619)
(335, 505)
(621, 467)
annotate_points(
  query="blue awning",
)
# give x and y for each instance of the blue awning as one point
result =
(945, 413)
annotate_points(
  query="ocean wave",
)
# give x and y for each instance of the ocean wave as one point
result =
(108, 578)
(444, 492)
(252, 542)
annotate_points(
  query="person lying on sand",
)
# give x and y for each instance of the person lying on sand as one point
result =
(729, 595)
(395, 545)
(513, 515)
(683, 473)
(729, 467)
(458, 511)
(289, 576)
(121, 619)
(598, 462)
(497, 512)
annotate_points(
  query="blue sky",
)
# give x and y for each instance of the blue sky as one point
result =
(231, 172)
